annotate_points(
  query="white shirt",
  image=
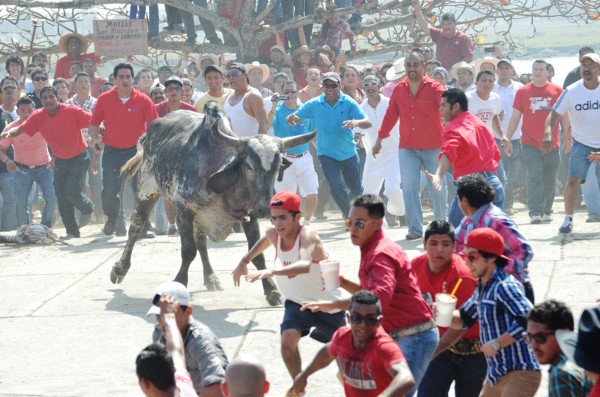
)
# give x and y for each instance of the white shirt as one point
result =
(507, 99)
(583, 106)
(485, 110)
(389, 145)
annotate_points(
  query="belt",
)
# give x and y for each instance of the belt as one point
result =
(295, 156)
(31, 167)
(466, 347)
(413, 329)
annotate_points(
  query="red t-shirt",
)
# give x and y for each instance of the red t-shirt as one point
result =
(124, 122)
(420, 119)
(386, 272)
(469, 145)
(365, 371)
(595, 391)
(163, 108)
(536, 104)
(431, 284)
(450, 51)
(97, 84)
(64, 64)
(62, 131)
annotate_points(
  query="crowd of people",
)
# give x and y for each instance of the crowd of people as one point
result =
(465, 131)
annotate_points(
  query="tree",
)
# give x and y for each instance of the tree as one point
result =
(389, 28)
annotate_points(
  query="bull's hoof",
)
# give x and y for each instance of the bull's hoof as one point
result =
(274, 298)
(213, 283)
(117, 274)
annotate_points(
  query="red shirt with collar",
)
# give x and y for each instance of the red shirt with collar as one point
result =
(444, 281)
(124, 122)
(469, 145)
(420, 119)
(451, 50)
(163, 108)
(64, 64)
(386, 272)
(62, 131)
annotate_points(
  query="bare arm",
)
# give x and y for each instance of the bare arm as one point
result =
(402, 380)
(13, 132)
(352, 124)
(504, 340)
(259, 111)
(321, 360)
(348, 285)
(450, 337)
(513, 123)
(286, 57)
(423, 25)
(242, 268)
(168, 308)
(438, 177)
(498, 127)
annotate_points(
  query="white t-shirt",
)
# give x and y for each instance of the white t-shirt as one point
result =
(485, 110)
(583, 106)
(507, 98)
(390, 145)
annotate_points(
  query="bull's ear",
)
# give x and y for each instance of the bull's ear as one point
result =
(226, 177)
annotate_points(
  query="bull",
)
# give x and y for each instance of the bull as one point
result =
(214, 180)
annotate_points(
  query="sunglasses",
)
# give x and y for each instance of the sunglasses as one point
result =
(330, 86)
(473, 257)
(40, 79)
(359, 224)
(368, 320)
(232, 74)
(225, 84)
(540, 338)
(290, 92)
(173, 88)
(156, 302)
(372, 84)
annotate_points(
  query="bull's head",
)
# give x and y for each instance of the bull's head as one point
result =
(246, 181)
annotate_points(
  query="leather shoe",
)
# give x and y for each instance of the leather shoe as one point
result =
(84, 219)
(413, 236)
(109, 227)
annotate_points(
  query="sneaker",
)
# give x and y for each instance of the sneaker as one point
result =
(547, 218)
(567, 226)
(85, 219)
(413, 236)
(215, 40)
(536, 219)
(109, 227)
(146, 234)
(173, 230)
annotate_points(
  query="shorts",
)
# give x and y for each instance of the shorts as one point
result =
(325, 323)
(579, 163)
(299, 176)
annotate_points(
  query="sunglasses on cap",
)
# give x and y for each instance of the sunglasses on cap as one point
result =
(540, 338)
(472, 257)
(40, 78)
(173, 88)
(371, 84)
(233, 74)
(359, 224)
(331, 86)
(156, 302)
(290, 92)
(369, 320)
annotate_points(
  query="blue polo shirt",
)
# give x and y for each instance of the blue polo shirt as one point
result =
(283, 130)
(333, 140)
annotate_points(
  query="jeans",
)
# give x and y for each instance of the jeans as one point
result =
(153, 20)
(418, 350)
(112, 182)
(542, 169)
(7, 189)
(294, 9)
(344, 179)
(412, 161)
(591, 193)
(24, 179)
(137, 12)
(455, 215)
(69, 185)
(190, 29)
(511, 171)
(467, 371)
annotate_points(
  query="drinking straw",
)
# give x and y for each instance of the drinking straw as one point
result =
(456, 286)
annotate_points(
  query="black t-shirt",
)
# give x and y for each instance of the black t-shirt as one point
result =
(573, 76)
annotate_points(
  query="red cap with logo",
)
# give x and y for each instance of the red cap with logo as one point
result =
(286, 201)
(486, 240)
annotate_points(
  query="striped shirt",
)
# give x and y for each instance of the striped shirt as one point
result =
(335, 35)
(501, 307)
(89, 104)
(567, 380)
(516, 246)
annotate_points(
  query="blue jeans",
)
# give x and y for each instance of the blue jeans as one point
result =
(510, 165)
(542, 169)
(344, 180)
(24, 179)
(298, 8)
(467, 371)
(455, 215)
(153, 20)
(112, 182)
(418, 350)
(412, 161)
(7, 190)
(190, 29)
(591, 192)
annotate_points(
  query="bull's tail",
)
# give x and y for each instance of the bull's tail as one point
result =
(132, 166)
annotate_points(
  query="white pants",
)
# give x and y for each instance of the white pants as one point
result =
(384, 168)
(300, 176)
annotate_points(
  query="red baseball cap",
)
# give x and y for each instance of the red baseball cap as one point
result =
(286, 201)
(486, 240)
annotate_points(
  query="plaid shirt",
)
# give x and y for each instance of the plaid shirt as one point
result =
(337, 33)
(89, 104)
(501, 307)
(516, 246)
(567, 380)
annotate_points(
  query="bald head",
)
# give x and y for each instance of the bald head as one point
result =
(245, 377)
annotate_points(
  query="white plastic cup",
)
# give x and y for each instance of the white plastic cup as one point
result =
(444, 309)
(330, 271)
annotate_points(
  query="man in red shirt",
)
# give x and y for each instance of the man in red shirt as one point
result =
(74, 45)
(369, 360)
(126, 114)
(439, 270)
(173, 87)
(534, 102)
(416, 102)
(468, 146)
(60, 125)
(385, 271)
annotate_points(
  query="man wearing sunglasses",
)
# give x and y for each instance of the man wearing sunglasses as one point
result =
(173, 87)
(370, 361)
(565, 378)
(40, 79)
(298, 251)
(204, 356)
(501, 307)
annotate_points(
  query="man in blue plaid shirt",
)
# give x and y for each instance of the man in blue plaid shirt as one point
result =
(500, 305)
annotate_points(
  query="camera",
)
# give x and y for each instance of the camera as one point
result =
(229, 56)
(283, 97)
(489, 49)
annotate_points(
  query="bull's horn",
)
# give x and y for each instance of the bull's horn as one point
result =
(294, 141)
(225, 139)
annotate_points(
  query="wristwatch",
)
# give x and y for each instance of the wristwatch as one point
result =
(495, 345)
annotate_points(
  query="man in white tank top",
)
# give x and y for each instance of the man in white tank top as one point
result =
(245, 107)
(298, 251)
